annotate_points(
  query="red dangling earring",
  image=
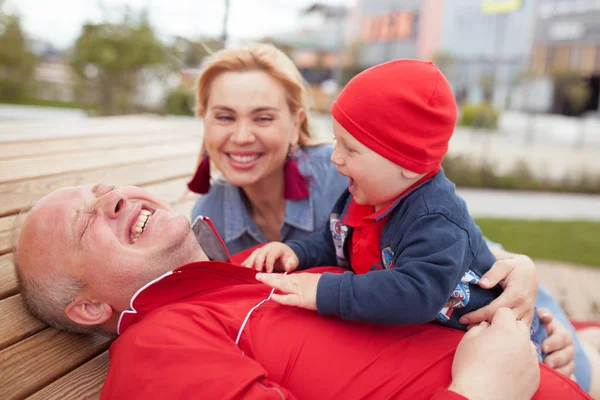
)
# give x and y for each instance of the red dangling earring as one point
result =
(200, 183)
(295, 185)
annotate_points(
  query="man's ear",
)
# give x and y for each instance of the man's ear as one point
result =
(84, 311)
(406, 174)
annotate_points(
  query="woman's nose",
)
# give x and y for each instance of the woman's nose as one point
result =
(243, 134)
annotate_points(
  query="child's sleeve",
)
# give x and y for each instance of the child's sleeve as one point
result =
(433, 255)
(316, 251)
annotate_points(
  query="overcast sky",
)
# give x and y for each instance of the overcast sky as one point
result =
(59, 21)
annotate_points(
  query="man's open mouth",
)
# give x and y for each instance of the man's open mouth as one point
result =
(139, 225)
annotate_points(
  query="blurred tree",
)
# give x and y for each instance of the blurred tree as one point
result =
(17, 62)
(444, 61)
(109, 60)
(193, 52)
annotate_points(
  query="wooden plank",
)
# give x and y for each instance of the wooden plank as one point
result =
(12, 150)
(6, 242)
(170, 191)
(16, 196)
(132, 125)
(84, 383)
(17, 323)
(8, 278)
(7, 223)
(185, 207)
(35, 362)
(36, 167)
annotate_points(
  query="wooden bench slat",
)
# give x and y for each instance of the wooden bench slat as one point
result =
(78, 144)
(133, 125)
(17, 323)
(35, 362)
(185, 207)
(84, 383)
(33, 167)
(16, 196)
(8, 278)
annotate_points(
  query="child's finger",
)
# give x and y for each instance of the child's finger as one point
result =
(249, 262)
(289, 261)
(271, 257)
(259, 261)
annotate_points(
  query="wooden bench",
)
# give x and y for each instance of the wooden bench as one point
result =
(156, 153)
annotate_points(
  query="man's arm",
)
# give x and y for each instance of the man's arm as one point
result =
(181, 356)
(434, 256)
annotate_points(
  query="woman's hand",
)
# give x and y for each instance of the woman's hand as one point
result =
(518, 277)
(496, 361)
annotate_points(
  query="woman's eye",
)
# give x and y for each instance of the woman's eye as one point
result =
(264, 119)
(224, 118)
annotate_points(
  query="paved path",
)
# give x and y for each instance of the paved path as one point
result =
(531, 205)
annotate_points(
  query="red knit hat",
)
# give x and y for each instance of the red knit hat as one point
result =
(404, 110)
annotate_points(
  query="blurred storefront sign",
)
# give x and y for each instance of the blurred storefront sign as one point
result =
(389, 26)
(500, 6)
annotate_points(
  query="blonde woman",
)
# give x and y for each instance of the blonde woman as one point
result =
(277, 182)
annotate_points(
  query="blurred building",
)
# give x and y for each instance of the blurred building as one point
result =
(477, 43)
(567, 40)
(316, 44)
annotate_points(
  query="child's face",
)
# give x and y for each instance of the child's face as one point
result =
(374, 180)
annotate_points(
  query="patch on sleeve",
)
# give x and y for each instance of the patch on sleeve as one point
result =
(460, 296)
(339, 232)
(387, 257)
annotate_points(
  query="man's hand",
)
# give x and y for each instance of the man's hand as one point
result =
(300, 289)
(496, 361)
(275, 256)
(558, 345)
(518, 277)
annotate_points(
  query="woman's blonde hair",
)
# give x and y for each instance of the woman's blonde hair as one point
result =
(258, 57)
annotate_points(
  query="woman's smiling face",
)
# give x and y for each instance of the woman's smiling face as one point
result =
(248, 126)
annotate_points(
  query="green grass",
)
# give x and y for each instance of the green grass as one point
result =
(572, 241)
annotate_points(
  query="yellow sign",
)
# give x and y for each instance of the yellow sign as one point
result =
(500, 6)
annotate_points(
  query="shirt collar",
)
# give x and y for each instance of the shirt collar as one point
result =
(194, 278)
(298, 213)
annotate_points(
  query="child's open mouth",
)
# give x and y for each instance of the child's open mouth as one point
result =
(351, 185)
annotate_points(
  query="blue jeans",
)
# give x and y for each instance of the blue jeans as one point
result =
(583, 372)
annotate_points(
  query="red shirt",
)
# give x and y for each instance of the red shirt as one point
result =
(365, 251)
(178, 341)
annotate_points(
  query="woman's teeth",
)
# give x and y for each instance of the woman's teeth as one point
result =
(243, 159)
(138, 227)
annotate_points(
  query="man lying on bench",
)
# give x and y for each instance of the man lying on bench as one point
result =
(191, 324)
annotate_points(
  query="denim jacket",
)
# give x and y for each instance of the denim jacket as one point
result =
(224, 204)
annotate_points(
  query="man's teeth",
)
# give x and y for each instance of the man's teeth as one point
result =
(138, 227)
(243, 159)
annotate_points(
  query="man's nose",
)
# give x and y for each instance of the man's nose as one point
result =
(112, 203)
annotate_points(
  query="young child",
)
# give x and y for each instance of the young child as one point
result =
(414, 252)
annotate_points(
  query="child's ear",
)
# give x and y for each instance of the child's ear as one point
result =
(406, 174)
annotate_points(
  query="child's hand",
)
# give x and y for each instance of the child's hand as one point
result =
(299, 290)
(274, 256)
